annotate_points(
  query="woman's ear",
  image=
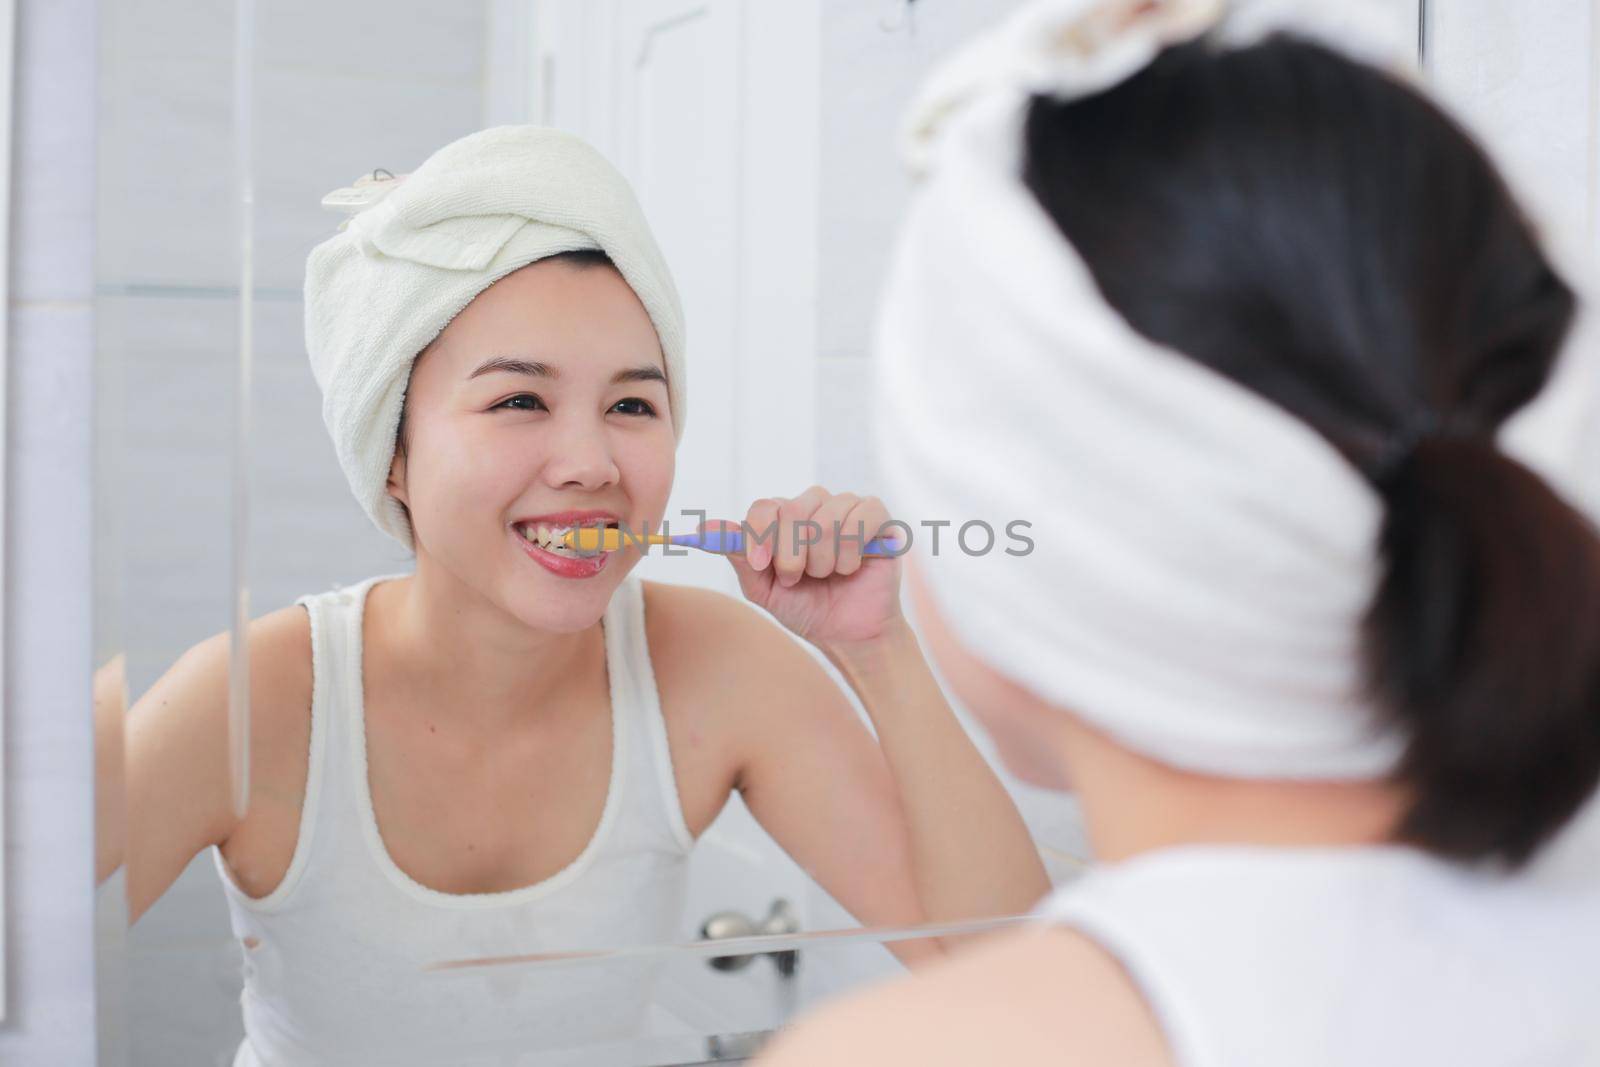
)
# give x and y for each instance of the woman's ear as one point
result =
(396, 485)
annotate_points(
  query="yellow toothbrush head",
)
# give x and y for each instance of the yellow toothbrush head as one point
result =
(593, 540)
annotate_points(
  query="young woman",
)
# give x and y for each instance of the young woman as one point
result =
(513, 749)
(1313, 624)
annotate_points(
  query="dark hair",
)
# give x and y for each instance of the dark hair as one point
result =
(577, 259)
(1324, 235)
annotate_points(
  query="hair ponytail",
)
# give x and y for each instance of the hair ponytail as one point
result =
(1484, 641)
(1322, 234)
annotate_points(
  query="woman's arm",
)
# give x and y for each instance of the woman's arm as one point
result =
(176, 767)
(972, 854)
(914, 828)
(742, 694)
(969, 853)
(110, 805)
(176, 759)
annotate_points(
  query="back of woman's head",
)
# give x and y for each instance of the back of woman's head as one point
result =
(1326, 237)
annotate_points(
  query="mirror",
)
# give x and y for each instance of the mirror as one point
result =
(318, 816)
(225, 508)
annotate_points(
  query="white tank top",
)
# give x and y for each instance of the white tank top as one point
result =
(1261, 957)
(334, 956)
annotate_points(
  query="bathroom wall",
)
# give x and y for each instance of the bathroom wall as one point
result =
(1524, 76)
(873, 56)
(49, 759)
(1525, 69)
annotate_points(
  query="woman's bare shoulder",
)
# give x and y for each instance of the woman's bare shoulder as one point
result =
(281, 675)
(710, 644)
(684, 603)
(192, 697)
(728, 674)
(1044, 995)
(710, 628)
(176, 740)
(280, 664)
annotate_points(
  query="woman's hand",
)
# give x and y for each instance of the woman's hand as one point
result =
(825, 590)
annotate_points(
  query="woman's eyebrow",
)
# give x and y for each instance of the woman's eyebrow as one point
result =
(639, 374)
(535, 369)
(513, 365)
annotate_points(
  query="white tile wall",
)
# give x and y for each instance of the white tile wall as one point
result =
(166, 146)
(318, 129)
(868, 75)
(338, 90)
(1521, 75)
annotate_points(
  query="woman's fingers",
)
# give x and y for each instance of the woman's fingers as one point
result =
(796, 533)
(752, 582)
(822, 558)
(862, 523)
(761, 531)
(815, 534)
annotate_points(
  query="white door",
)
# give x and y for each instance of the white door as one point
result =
(655, 86)
(679, 96)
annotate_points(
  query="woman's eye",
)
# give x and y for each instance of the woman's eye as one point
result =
(515, 403)
(634, 406)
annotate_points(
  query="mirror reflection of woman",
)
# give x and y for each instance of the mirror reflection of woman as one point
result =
(513, 750)
(1306, 421)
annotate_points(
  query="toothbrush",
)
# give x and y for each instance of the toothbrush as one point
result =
(591, 541)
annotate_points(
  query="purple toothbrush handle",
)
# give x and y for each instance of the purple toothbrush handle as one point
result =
(729, 542)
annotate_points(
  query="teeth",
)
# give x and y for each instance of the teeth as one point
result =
(550, 538)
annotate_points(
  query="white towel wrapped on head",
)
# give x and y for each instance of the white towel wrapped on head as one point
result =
(398, 271)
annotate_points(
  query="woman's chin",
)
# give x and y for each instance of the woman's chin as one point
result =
(557, 609)
(561, 594)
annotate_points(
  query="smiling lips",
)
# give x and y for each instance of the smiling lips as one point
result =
(542, 538)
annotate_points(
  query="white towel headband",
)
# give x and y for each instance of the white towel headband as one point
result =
(1202, 558)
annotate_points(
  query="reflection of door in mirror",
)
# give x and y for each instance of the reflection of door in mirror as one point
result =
(718, 148)
(665, 90)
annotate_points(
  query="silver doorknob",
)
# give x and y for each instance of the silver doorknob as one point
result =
(780, 919)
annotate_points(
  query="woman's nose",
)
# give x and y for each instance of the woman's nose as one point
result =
(581, 458)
